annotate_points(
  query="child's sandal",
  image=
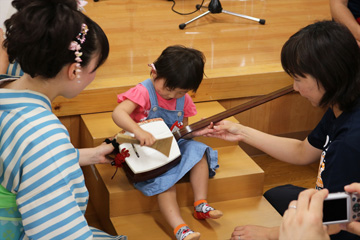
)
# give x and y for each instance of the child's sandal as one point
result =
(202, 210)
(183, 232)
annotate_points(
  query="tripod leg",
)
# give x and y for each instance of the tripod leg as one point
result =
(261, 21)
(183, 25)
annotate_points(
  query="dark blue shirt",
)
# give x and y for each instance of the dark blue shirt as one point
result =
(339, 138)
(354, 7)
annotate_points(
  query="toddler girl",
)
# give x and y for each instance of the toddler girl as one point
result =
(177, 71)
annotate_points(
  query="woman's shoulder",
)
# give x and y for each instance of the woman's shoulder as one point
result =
(29, 112)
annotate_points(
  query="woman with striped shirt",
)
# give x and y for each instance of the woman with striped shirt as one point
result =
(42, 191)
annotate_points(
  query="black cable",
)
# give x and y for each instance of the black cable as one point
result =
(197, 8)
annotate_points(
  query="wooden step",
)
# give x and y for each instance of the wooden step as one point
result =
(152, 226)
(238, 176)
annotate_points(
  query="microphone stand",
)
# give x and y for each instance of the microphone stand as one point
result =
(215, 7)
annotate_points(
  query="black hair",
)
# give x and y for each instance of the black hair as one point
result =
(181, 67)
(327, 51)
(39, 34)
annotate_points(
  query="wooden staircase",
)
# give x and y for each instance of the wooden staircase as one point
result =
(236, 189)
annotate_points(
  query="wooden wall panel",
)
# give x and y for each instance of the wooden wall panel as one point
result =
(72, 123)
(288, 114)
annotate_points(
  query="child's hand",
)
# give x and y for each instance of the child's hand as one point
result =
(145, 138)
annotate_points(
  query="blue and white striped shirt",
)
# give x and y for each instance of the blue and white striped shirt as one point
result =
(14, 70)
(39, 164)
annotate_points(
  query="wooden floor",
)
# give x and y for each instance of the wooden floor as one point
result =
(279, 173)
(243, 56)
(139, 30)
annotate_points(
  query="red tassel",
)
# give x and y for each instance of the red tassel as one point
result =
(120, 159)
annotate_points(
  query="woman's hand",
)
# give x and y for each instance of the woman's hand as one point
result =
(225, 129)
(253, 232)
(303, 219)
(204, 131)
(96, 155)
(353, 227)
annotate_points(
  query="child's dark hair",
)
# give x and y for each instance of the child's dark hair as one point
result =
(38, 36)
(327, 51)
(181, 67)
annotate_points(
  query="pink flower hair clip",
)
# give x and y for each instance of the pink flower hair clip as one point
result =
(76, 46)
(82, 33)
(152, 66)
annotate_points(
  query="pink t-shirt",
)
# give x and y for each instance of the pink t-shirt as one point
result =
(140, 95)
